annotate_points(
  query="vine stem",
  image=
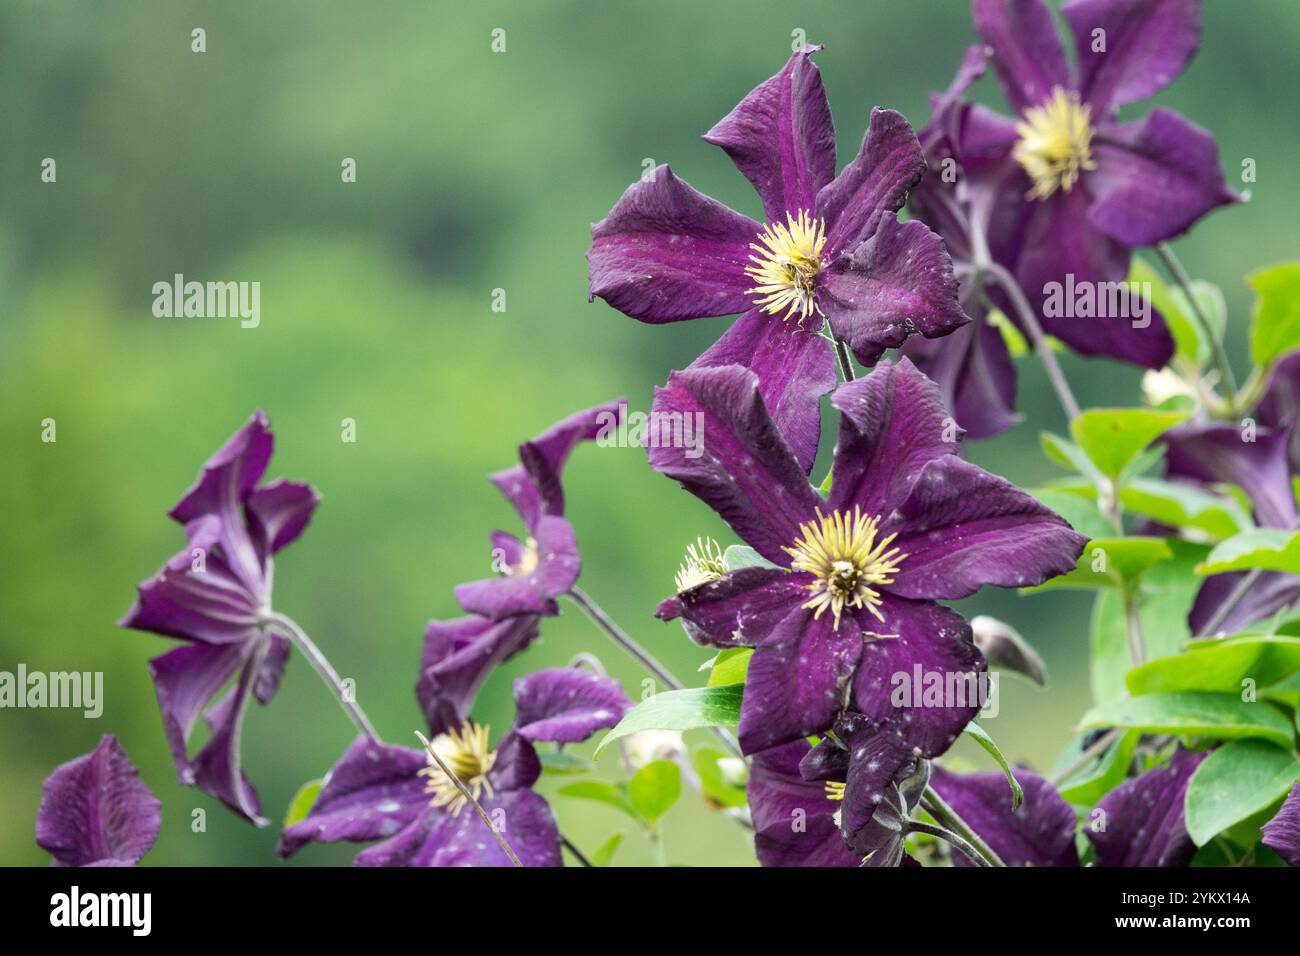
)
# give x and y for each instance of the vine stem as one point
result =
(469, 797)
(947, 835)
(1098, 746)
(1175, 269)
(842, 353)
(947, 817)
(577, 854)
(307, 647)
(647, 660)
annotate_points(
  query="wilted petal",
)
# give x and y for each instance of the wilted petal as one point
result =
(281, 510)
(534, 592)
(962, 528)
(1140, 822)
(794, 821)
(567, 705)
(1040, 832)
(921, 679)
(743, 467)
(1155, 177)
(1026, 49)
(217, 769)
(1147, 44)
(797, 679)
(456, 659)
(896, 283)
(666, 252)
(185, 680)
(874, 185)
(374, 791)
(781, 137)
(1282, 833)
(739, 609)
(96, 811)
(795, 368)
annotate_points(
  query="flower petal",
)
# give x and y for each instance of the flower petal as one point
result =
(874, 810)
(739, 609)
(217, 767)
(666, 252)
(1147, 44)
(1040, 832)
(780, 136)
(281, 510)
(795, 368)
(893, 423)
(457, 657)
(872, 187)
(567, 705)
(374, 791)
(896, 283)
(185, 680)
(921, 679)
(962, 528)
(96, 811)
(743, 467)
(525, 820)
(1222, 453)
(1154, 178)
(797, 679)
(794, 821)
(1027, 51)
(1271, 592)
(1143, 818)
(555, 573)
(517, 765)
(1282, 833)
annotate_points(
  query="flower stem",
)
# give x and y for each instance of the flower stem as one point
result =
(469, 798)
(1179, 274)
(307, 647)
(620, 637)
(1091, 753)
(577, 854)
(842, 353)
(947, 835)
(947, 817)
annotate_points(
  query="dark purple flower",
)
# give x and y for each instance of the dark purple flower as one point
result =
(795, 819)
(398, 796)
(535, 571)
(907, 522)
(1141, 822)
(457, 657)
(1282, 833)
(1066, 189)
(831, 247)
(96, 811)
(1040, 832)
(216, 595)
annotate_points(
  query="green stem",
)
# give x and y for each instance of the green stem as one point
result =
(947, 817)
(1179, 274)
(948, 836)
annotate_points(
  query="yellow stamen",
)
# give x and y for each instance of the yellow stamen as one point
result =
(704, 563)
(527, 562)
(1055, 145)
(835, 790)
(466, 754)
(845, 559)
(787, 265)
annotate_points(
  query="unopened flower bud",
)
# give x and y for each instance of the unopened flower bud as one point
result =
(1004, 648)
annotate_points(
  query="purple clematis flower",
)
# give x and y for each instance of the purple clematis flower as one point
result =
(1141, 822)
(1282, 833)
(1040, 832)
(831, 249)
(457, 657)
(1065, 192)
(535, 571)
(847, 602)
(216, 595)
(398, 796)
(96, 811)
(794, 819)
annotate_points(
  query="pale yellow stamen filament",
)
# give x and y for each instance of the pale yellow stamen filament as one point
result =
(1055, 145)
(466, 753)
(786, 267)
(846, 560)
(703, 563)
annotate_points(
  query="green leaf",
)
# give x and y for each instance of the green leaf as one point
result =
(604, 854)
(1013, 338)
(1237, 780)
(1068, 455)
(1275, 319)
(1079, 509)
(1184, 506)
(655, 788)
(302, 802)
(600, 791)
(1112, 437)
(1219, 665)
(1112, 563)
(1270, 548)
(713, 783)
(981, 737)
(563, 762)
(730, 666)
(1224, 716)
(1189, 340)
(1087, 786)
(684, 709)
(742, 556)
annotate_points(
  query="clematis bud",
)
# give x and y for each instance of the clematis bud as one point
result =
(1003, 647)
(647, 746)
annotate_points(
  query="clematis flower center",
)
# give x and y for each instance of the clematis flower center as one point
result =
(846, 558)
(527, 562)
(703, 563)
(787, 264)
(467, 755)
(1055, 145)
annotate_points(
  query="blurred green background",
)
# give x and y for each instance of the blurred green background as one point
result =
(476, 171)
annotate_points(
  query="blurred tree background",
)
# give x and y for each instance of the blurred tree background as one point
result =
(476, 171)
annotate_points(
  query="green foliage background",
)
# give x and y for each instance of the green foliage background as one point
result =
(476, 171)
